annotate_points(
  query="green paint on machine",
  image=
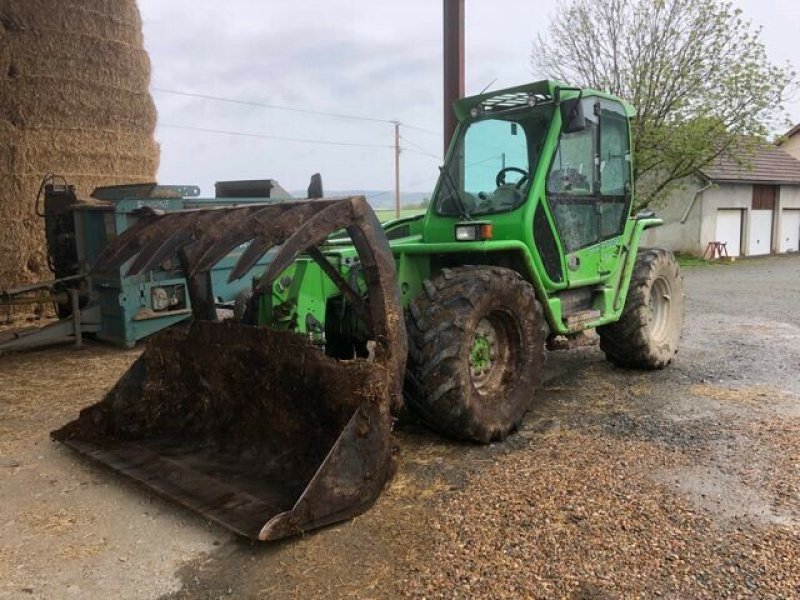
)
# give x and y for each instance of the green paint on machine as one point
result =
(512, 155)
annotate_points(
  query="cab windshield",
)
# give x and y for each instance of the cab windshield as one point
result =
(493, 163)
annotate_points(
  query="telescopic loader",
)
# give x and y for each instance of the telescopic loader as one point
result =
(281, 422)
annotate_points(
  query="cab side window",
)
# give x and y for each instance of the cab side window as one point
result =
(615, 169)
(589, 183)
(572, 183)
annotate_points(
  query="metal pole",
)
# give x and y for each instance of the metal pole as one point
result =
(453, 22)
(397, 169)
(74, 300)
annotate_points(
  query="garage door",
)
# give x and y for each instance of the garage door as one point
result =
(760, 233)
(790, 231)
(729, 230)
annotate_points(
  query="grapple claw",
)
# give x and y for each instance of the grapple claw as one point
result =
(253, 428)
(310, 233)
(273, 231)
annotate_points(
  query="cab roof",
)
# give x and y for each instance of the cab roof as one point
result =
(539, 92)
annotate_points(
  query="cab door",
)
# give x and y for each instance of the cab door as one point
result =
(588, 189)
(616, 188)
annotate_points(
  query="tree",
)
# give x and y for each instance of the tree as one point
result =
(696, 71)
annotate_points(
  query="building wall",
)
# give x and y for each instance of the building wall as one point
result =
(789, 196)
(725, 195)
(792, 146)
(700, 227)
(674, 235)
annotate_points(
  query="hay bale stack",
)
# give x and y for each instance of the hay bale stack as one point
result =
(74, 101)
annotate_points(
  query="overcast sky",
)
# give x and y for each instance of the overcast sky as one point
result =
(374, 58)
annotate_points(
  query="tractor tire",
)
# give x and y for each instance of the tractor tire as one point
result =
(647, 333)
(476, 338)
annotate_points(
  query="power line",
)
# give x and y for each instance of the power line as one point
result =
(435, 177)
(422, 129)
(412, 184)
(273, 106)
(419, 149)
(272, 137)
(396, 124)
(428, 154)
(321, 113)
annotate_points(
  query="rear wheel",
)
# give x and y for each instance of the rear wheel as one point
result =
(476, 350)
(649, 329)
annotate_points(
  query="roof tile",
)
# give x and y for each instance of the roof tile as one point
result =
(768, 164)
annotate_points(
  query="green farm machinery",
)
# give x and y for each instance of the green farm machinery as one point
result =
(280, 422)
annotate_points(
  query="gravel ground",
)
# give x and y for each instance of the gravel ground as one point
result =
(683, 483)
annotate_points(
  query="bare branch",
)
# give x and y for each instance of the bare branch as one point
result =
(696, 71)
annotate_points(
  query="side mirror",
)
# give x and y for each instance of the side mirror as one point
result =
(572, 119)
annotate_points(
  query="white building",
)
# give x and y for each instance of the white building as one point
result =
(753, 208)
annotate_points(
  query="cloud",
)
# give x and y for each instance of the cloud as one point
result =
(377, 59)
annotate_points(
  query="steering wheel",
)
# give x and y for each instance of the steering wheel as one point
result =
(500, 179)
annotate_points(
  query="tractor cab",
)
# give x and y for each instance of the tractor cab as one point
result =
(490, 165)
(546, 164)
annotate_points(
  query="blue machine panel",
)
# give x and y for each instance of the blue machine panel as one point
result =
(133, 308)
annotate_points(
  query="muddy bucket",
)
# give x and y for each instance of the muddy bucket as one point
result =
(254, 429)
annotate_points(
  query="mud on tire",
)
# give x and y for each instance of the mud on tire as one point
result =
(649, 329)
(476, 350)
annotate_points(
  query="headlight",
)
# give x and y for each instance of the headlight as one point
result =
(159, 298)
(473, 232)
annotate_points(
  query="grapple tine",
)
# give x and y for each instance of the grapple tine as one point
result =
(337, 215)
(127, 244)
(169, 233)
(122, 250)
(232, 230)
(257, 247)
(271, 232)
(159, 249)
(187, 237)
(377, 260)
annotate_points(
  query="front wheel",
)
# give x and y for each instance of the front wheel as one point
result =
(476, 350)
(647, 333)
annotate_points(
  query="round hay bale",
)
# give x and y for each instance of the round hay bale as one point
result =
(5, 52)
(48, 102)
(74, 101)
(87, 59)
(77, 17)
(88, 152)
(9, 146)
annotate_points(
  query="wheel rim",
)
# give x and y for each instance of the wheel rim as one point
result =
(490, 356)
(660, 309)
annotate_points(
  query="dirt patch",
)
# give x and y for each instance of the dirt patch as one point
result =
(70, 529)
(746, 395)
(55, 524)
(728, 496)
(603, 448)
(775, 466)
(579, 516)
(41, 390)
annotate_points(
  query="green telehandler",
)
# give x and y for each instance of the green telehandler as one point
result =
(280, 422)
